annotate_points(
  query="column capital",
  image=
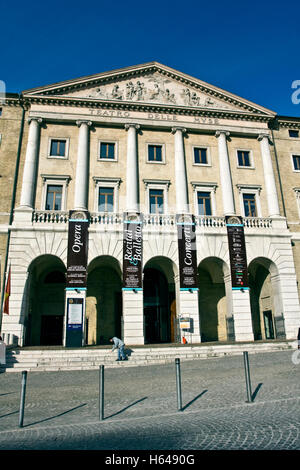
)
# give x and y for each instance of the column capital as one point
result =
(264, 135)
(128, 125)
(218, 133)
(175, 129)
(39, 120)
(88, 123)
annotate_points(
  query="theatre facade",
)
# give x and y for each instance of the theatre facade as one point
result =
(153, 206)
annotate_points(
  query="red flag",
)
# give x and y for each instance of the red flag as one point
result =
(7, 293)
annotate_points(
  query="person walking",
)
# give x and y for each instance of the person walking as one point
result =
(119, 344)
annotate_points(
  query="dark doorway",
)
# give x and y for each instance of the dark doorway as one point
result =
(268, 321)
(51, 330)
(46, 302)
(157, 314)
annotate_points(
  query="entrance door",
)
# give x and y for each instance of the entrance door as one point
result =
(268, 320)
(156, 307)
(51, 330)
(152, 324)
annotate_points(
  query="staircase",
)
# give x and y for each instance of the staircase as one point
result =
(53, 359)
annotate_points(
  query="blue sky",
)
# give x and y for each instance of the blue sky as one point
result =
(248, 48)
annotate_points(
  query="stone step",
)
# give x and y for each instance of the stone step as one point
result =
(18, 359)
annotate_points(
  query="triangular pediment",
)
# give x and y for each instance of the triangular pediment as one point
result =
(149, 84)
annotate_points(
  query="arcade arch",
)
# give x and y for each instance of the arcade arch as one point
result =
(213, 303)
(103, 301)
(265, 299)
(159, 300)
(46, 300)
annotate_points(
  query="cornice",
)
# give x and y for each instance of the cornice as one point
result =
(290, 122)
(145, 107)
(61, 89)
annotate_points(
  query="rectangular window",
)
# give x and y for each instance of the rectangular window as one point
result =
(296, 162)
(249, 205)
(0, 111)
(293, 133)
(58, 148)
(106, 200)
(200, 156)
(54, 197)
(204, 203)
(156, 197)
(107, 150)
(244, 158)
(155, 153)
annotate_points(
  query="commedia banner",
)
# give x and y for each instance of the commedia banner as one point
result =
(237, 252)
(77, 249)
(132, 251)
(186, 231)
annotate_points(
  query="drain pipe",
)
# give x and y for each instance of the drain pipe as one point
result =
(13, 199)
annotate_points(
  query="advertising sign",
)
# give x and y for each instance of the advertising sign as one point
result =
(77, 249)
(185, 323)
(132, 251)
(186, 231)
(74, 322)
(237, 252)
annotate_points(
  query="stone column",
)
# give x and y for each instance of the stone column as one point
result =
(30, 167)
(270, 185)
(82, 168)
(133, 303)
(182, 202)
(132, 176)
(225, 174)
(241, 311)
(133, 317)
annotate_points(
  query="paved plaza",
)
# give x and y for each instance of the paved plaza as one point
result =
(140, 407)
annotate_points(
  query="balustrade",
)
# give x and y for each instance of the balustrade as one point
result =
(158, 220)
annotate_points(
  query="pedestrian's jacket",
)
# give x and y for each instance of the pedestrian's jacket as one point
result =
(117, 343)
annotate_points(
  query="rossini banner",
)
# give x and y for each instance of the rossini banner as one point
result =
(132, 251)
(237, 252)
(77, 249)
(186, 232)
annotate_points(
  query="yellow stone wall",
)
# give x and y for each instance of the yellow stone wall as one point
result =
(10, 122)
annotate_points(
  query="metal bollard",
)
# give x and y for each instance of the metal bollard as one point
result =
(247, 377)
(101, 393)
(178, 384)
(22, 401)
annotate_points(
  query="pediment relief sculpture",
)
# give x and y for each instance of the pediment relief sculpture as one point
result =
(149, 83)
(154, 89)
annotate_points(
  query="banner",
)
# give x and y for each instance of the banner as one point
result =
(186, 231)
(237, 252)
(132, 251)
(77, 249)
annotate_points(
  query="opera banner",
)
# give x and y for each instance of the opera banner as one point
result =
(132, 251)
(186, 231)
(77, 249)
(237, 252)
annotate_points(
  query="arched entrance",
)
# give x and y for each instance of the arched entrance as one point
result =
(265, 300)
(212, 300)
(104, 300)
(159, 301)
(44, 325)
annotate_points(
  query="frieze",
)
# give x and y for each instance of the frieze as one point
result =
(112, 113)
(154, 89)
